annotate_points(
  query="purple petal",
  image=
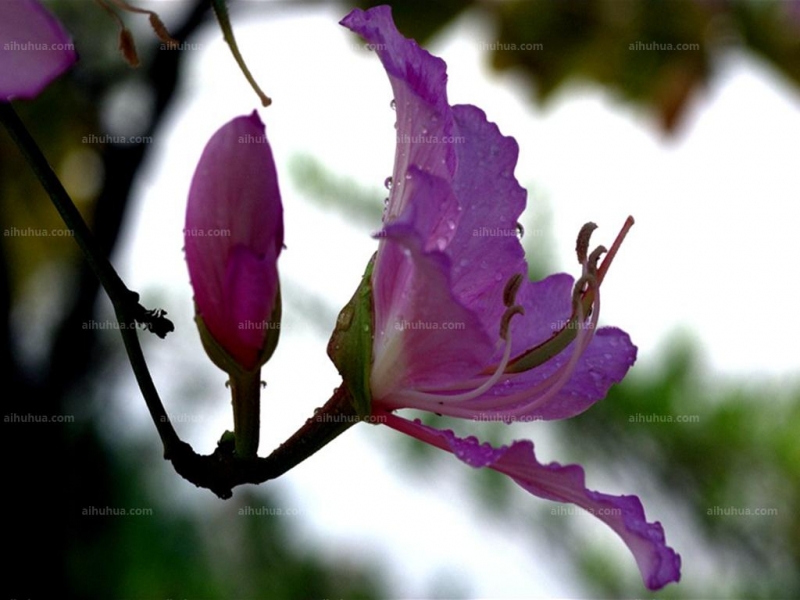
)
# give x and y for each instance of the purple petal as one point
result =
(424, 119)
(474, 219)
(485, 250)
(423, 337)
(658, 563)
(34, 49)
(249, 280)
(234, 235)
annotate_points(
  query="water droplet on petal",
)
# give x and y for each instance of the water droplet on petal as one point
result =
(607, 356)
(408, 176)
(441, 244)
(387, 183)
(498, 276)
(451, 225)
(520, 230)
(393, 104)
(463, 262)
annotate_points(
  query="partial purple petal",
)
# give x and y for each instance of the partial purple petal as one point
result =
(474, 219)
(485, 250)
(34, 49)
(423, 337)
(424, 118)
(658, 563)
(249, 280)
(234, 235)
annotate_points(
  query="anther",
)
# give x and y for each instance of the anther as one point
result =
(582, 244)
(511, 289)
(591, 262)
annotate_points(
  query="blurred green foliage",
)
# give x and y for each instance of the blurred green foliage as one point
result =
(656, 55)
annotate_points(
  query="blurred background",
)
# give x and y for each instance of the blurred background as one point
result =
(685, 114)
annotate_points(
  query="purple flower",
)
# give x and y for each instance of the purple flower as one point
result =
(34, 49)
(459, 330)
(233, 237)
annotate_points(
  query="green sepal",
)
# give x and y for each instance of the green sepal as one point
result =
(350, 346)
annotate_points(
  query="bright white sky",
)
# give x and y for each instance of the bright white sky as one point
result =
(716, 208)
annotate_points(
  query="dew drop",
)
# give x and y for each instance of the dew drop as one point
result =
(520, 230)
(387, 183)
(393, 104)
(345, 318)
(451, 225)
(464, 262)
(441, 243)
(607, 356)
(498, 276)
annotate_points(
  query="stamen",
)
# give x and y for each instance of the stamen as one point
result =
(581, 287)
(591, 262)
(511, 289)
(582, 244)
(128, 47)
(126, 43)
(562, 376)
(505, 321)
(550, 386)
(601, 272)
(155, 21)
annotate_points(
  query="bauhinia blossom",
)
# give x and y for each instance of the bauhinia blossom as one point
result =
(455, 325)
(233, 237)
(34, 49)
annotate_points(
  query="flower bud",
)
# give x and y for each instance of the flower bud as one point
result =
(233, 237)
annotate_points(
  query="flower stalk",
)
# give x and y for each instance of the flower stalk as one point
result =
(221, 10)
(246, 393)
